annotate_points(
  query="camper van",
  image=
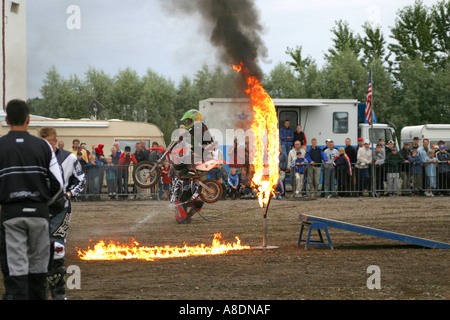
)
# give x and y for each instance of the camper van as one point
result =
(94, 132)
(336, 119)
(433, 132)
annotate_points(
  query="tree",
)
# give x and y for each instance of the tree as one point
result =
(126, 91)
(344, 77)
(282, 83)
(156, 103)
(413, 35)
(372, 44)
(440, 15)
(344, 40)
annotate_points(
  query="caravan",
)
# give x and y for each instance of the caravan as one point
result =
(433, 132)
(336, 119)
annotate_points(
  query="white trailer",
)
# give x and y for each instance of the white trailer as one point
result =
(433, 132)
(335, 119)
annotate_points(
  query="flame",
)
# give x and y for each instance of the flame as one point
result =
(267, 143)
(117, 251)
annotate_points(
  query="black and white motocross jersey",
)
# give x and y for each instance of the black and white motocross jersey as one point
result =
(29, 171)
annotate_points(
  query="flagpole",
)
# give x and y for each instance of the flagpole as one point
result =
(373, 135)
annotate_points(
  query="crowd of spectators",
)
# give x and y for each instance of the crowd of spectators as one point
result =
(310, 170)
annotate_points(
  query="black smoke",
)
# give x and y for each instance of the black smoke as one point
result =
(233, 27)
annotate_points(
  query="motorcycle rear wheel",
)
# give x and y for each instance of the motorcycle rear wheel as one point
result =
(214, 193)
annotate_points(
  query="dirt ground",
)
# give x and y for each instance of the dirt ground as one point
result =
(286, 273)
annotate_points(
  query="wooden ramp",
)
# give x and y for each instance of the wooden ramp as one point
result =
(312, 220)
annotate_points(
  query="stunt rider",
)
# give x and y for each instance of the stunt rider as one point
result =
(186, 199)
(185, 195)
(200, 141)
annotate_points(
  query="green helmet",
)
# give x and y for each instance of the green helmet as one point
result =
(193, 115)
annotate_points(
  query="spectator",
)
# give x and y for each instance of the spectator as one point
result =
(430, 171)
(140, 154)
(101, 173)
(217, 154)
(292, 156)
(245, 184)
(166, 180)
(30, 181)
(144, 148)
(315, 158)
(394, 161)
(423, 153)
(405, 169)
(363, 162)
(344, 172)
(299, 135)
(110, 176)
(92, 169)
(83, 146)
(237, 155)
(233, 182)
(298, 169)
(352, 153)
(61, 145)
(329, 173)
(415, 162)
(390, 146)
(117, 146)
(423, 150)
(379, 159)
(360, 145)
(286, 137)
(115, 156)
(224, 187)
(415, 144)
(76, 147)
(443, 158)
(125, 159)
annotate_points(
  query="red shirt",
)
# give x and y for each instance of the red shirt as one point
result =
(125, 161)
(165, 176)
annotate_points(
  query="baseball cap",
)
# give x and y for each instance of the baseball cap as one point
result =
(360, 139)
(367, 141)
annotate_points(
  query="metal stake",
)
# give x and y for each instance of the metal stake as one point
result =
(264, 246)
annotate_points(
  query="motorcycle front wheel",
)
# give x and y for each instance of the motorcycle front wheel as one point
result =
(146, 174)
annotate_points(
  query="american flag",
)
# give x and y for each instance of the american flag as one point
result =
(369, 100)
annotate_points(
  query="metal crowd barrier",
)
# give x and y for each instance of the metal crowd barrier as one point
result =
(318, 180)
(374, 180)
(101, 185)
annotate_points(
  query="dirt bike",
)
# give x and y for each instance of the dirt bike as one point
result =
(146, 174)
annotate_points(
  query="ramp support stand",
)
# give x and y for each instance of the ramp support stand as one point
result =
(315, 226)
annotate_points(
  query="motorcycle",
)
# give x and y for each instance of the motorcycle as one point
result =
(146, 174)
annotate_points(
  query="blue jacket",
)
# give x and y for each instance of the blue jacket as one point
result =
(415, 164)
(284, 134)
(316, 155)
(298, 167)
(233, 180)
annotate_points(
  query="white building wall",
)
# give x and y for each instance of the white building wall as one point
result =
(15, 58)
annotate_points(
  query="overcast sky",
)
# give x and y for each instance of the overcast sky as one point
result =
(112, 35)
